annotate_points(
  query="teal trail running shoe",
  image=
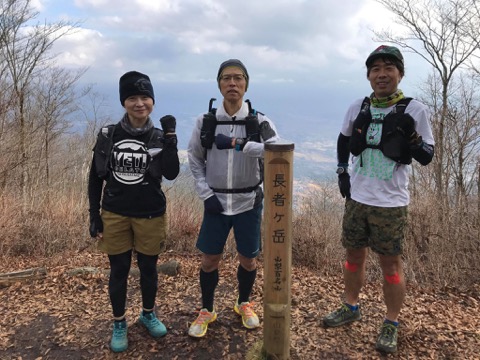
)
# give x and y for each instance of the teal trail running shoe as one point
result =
(119, 340)
(154, 326)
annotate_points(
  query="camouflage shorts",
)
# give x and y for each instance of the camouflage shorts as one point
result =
(380, 228)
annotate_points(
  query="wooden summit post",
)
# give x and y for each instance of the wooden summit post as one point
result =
(278, 249)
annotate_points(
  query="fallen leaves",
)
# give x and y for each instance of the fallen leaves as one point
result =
(69, 317)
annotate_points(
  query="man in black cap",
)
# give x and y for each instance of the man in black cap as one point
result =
(383, 132)
(130, 158)
(224, 154)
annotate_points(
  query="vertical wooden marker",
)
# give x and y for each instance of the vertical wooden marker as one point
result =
(278, 249)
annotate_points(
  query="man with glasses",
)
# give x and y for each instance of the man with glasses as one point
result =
(224, 155)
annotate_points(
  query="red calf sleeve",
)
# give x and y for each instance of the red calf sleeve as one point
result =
(351, 267)
(392, 279)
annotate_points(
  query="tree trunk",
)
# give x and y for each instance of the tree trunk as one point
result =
(170, 268)
(23, 275)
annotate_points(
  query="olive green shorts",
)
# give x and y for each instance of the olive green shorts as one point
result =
(122, 233)
(380, 228)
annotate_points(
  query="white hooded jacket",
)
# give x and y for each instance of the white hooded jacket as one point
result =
(228, 169)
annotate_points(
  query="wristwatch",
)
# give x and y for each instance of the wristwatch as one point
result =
(341, 170)
(239, 143)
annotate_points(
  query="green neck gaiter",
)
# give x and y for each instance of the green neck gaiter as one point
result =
(386, 101)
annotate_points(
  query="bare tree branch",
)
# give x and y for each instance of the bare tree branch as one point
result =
(25, 52)
(448, 33)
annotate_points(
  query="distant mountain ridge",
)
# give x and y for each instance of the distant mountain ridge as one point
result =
(314, 140)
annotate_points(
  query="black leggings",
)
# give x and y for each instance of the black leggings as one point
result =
(117, 285)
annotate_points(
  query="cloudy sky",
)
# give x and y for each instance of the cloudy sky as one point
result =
(305, 57)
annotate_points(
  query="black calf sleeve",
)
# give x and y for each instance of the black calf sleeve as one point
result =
(246, 280)
(208, 284)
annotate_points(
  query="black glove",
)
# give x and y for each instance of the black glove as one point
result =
(406, 126)
(96, 224)
(344, 185)
(266, 131)
(223, 142)
(168, 123)
(213, 205)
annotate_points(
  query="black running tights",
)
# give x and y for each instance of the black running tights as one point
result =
(117, 285)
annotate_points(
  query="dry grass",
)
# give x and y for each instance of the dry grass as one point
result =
(316, 227)
(442, 247)
(51, 224)
(184, 211)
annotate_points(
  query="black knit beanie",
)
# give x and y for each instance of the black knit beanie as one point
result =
(233, 62)
(134, 83)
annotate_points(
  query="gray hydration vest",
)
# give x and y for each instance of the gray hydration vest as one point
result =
(254, 131)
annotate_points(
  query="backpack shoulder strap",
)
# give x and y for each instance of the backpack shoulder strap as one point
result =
(365, 104)
(105, 135)
(402, 105)
(103, 149)
(155, 139)
(107, 131)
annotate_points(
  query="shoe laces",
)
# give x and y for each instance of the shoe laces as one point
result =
(119, 332)
(344, 309)
(150, 319)
(388, 331)
(246, 309)
(203, 316)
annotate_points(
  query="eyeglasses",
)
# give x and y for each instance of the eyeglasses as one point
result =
(235, 77)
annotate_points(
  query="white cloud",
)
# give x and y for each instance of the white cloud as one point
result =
(305, 54)
(37, 5)
(282, 40)
(276, 36)
(92, 3)
(83, 47)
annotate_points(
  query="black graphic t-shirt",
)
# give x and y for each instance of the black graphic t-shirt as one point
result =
(130, 189)
(129, 162)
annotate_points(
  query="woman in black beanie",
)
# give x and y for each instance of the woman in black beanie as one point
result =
(129, 160)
